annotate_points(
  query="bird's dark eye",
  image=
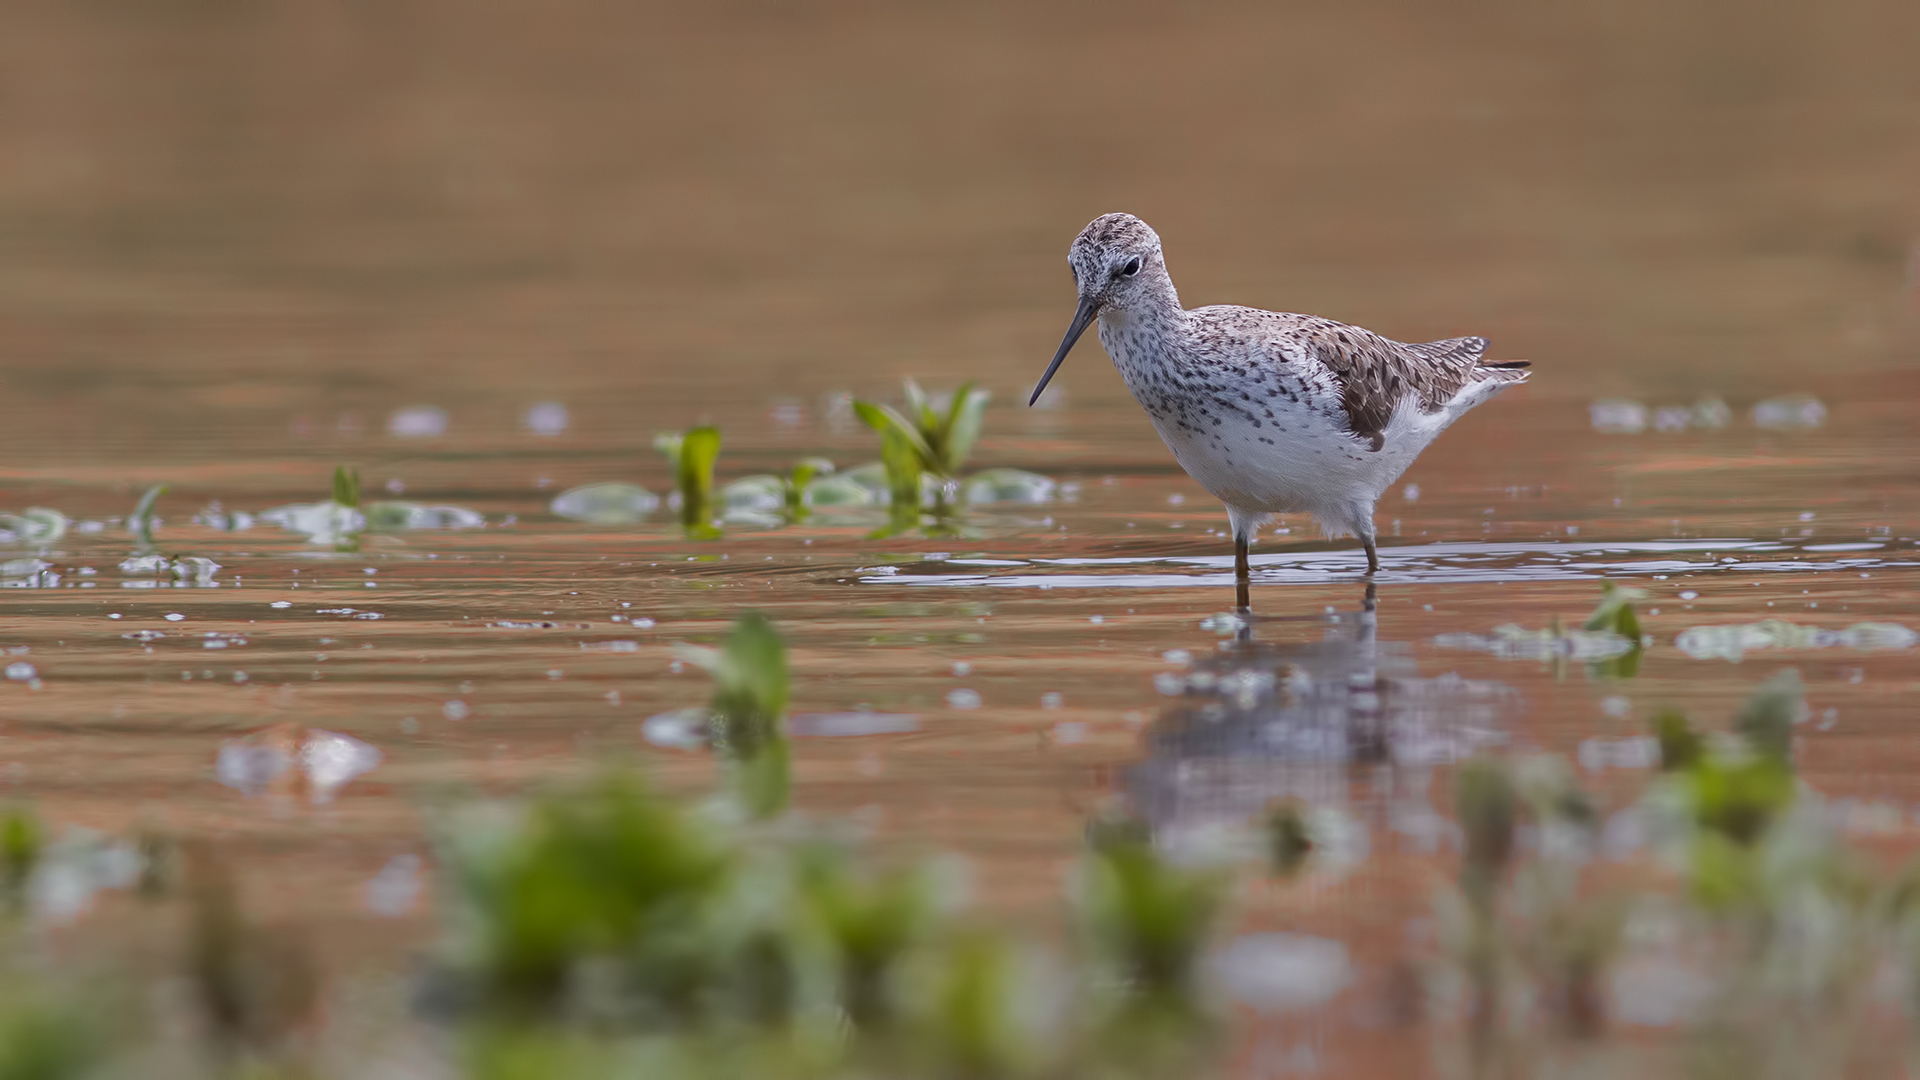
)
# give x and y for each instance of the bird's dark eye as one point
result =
(1132, 267)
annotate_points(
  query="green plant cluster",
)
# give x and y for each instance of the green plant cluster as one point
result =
(608, 924)
(1768, 959)
(601, 931)
(917, 479)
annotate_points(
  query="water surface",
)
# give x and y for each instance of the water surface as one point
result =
(258, 244)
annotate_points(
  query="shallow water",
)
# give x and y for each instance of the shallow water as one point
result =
(762, 235)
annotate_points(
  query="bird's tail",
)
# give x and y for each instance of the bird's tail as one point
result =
(1503, 372)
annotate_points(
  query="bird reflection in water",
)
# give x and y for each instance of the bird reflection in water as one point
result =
(1332, 722)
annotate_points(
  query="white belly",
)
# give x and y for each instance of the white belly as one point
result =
(1301, 462)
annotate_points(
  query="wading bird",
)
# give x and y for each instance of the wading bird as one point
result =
(1271, 412)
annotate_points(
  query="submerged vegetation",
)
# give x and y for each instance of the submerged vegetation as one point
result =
(923, 450)
(917, 483)
(601, 930)
(1774, 940)
(344, 519)
(1609, 641)
(692, 455)
(932, 440)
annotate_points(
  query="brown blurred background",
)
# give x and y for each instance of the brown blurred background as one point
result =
(216, 215)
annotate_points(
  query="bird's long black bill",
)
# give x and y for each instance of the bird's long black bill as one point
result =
(1082, 318)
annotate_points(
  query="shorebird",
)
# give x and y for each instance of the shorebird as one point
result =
(1271, 412)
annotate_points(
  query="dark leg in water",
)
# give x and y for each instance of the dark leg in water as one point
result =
(1373, 559)
(1242, 584)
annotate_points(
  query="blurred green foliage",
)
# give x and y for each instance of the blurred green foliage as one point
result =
(1615, 614)
(749, 712)
(603, 931)
(44, 1036)
(36, 526)
(1149, 920)
(798, 480)
(608, 874)
(140, 522)
(693, 454)
(20, 846)
(1289, 836)
(346, 487)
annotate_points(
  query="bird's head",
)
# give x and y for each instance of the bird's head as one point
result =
(1116, 263)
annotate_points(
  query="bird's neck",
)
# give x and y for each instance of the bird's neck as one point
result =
(1141, 332)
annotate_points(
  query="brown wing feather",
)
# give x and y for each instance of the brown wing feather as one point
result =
(1377, 373)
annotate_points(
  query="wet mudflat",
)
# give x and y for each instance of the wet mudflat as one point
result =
(1719, 416)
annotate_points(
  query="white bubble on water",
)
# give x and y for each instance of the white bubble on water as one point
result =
(963, 698)
(417, 421)
(547, 418)
(331, 760)
(1280, 972)
(1617, 417)
(455, 710)
(393, 891)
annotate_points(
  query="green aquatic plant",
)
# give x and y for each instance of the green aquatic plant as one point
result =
(983, 1018)
(1520, 935)
(922, 451)
(1737, 790)
(36, 526)
(608, 874)
(140, 522)
(775, 497)
(1488, 806)
(1150, 919)
(611, 502)
(932, 439)
(1289, 836)
(1615, 612)
(1609, 642)
(872, 923)
(1146, 922)
(905, 467)
(940, 432)
(1733, 791)
(346, 487)
(693, 454)
(1767, 717)
(1615, 615)
(750, 711)
(21, 844)
(338, 521)
(44, 1036)
(342, 519)
(798, 481)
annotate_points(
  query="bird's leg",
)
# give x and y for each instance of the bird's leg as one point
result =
(1242, 575)
(1373, 558)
